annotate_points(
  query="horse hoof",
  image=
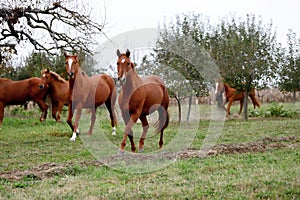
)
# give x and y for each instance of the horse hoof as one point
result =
(73, 138)
(113, 133)
(141, 150)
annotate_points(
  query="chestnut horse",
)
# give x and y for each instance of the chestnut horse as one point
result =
(58, 91)
(138, 98)
(88, 92)
(231, 95)
(18, 92)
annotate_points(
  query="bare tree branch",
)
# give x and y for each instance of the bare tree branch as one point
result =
(31, 22)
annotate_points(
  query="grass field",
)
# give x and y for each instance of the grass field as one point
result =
(254, 159)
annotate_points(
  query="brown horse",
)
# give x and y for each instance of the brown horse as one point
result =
(231, 95)
(138, 98)
(58, 91)
(18, 92)
(88, 92)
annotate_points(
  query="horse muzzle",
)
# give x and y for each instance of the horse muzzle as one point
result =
(71, 74)
(122, 80)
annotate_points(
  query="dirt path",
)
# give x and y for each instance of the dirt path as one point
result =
(52, 169)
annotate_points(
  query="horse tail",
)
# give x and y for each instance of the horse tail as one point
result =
(163, 120)
(111, 101)
(254, 99)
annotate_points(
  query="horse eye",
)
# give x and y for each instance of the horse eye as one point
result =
(117, 63)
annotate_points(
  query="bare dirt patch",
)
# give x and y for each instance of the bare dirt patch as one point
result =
(54, 169)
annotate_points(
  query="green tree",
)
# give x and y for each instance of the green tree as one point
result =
(290, 68)
(34, 64)
(246, 53)
(182, 47)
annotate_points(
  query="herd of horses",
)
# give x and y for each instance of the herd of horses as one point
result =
(138, 97)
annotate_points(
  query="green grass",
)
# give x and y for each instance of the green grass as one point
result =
(70, 171)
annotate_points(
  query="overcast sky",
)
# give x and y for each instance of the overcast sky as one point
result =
(122, 16)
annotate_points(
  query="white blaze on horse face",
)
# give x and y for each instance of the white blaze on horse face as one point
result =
(216, 89)
(44, 75)
(70, 61)
(123, 60)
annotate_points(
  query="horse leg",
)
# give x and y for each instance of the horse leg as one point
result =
(76, 123)
(145, 125)
(163, 118)
(93, 118)
(112, 116)
(229, 105)
(54, 110)
(128, 130)
(59, 111)
(44, 107)
(69, 121)
(241, 106)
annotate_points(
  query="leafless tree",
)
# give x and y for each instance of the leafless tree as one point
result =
(48, 25)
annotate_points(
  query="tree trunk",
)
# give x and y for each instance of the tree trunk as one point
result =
(294, 96)
(179, 108)
(189, 109)
(245, 113)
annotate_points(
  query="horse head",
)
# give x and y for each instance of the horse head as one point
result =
(72, 65)
(219, 88)
(124, 64)
(45, 79)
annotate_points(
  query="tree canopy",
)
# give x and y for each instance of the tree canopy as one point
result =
(289, 72)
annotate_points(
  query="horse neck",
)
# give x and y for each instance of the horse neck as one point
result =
(133, 80)
(57, 84)
(78, 76)
(226, 86)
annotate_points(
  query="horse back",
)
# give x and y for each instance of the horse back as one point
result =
(18, 92)
(102, 89)
(156, 92)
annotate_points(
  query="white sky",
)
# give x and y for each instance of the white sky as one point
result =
(128, 15)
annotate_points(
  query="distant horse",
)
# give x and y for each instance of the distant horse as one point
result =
(19, 92)
(138, 98)
(231, 95)
(58, 91)
(88, 92)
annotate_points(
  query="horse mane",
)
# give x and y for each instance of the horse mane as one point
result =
(226, 86)
(5, 79)
(57, 77)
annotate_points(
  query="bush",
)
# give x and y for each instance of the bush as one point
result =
(276, 110)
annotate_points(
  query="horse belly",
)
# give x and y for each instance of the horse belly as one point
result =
(14, 98)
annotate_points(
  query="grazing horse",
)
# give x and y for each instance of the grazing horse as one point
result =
(58, 91)
(88, 92)
(231, 95)
(138, 98)
(19, 92)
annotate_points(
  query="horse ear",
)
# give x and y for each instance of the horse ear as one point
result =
(65, 54)
(76, 57)
(132, 65)
(127, 53)
(118, 53)
(48, 70)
